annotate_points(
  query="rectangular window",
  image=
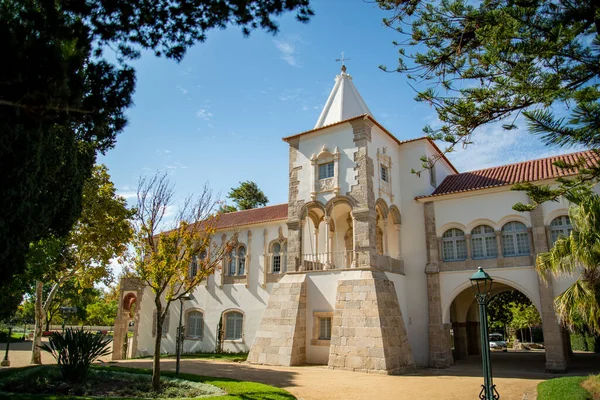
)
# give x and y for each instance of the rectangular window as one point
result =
(477, 244)
(326, 170)
(508, 245)
(384, 173)
(448, 250)
(195, 324)
(325, 328)
(523, 243)
(490, 245)
(276, 263)
(233, 326)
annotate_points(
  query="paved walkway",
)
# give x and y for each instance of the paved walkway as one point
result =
(516, 375)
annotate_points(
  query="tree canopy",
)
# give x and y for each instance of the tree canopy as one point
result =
(246, 196)
(67, 87)
(478, 63)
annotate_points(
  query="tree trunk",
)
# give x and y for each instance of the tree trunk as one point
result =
(157, 341)
(521, 331)
(36, 354)
(530, 334)
(47, 323)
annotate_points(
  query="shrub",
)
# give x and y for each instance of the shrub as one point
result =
(75, 351)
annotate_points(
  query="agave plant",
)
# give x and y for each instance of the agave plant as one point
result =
(75, 350)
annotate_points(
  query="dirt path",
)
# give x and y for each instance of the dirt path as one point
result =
(318, 382)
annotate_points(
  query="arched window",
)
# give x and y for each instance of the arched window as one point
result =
(241, 260)
(232, 261)
(278, 257)
(234, 322)
(454, 245)
(483, 242)
(194, 327)
(515, 239)
(560, 226)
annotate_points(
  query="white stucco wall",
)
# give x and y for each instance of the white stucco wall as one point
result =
(340, 136)
(214, 300)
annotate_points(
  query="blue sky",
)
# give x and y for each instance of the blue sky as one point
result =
(220, 114)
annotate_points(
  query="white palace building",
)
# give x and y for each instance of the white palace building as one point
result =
(367, 266)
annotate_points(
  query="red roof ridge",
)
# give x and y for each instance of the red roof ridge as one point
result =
(504, 175)
(527, 161)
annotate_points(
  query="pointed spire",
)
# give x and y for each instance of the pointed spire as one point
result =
(344, 101)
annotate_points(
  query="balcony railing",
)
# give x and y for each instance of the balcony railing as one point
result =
(332, 260)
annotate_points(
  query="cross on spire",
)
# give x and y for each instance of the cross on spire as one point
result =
(343, 61)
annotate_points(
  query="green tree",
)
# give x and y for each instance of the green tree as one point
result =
(246, 196)
(525, 316)
(578, 254)
(101, 234)
(102, 312)
(500, 313)
(174, 262)
(63, 100)
(480, 63)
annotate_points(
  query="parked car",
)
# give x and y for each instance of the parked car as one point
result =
(497, 342)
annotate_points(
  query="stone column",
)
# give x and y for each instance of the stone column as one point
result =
(499, 244)
(556, 351)
(294, 246)
(363, 214)
(294, 241)
(316, 232)
(460, 340)
(398, 240)
(385, 237)
(440, 349)
(328, 236)
(468, 243)
(364, 238)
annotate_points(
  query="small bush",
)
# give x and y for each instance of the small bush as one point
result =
(75, 351)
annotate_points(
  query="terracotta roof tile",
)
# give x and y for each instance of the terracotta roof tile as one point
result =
(254, 216)
(527, 171)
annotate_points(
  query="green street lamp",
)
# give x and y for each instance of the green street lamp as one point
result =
(482, 286)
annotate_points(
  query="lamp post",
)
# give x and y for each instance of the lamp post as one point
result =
(6, 362)
(482, 285)
(180, 334)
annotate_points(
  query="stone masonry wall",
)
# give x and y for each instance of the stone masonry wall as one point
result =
(368, 332)
(556, 351)
(440, 348)
(281, 335)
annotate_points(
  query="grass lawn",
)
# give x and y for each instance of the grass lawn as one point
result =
(235, 389)
(570, 388)
(208, 356)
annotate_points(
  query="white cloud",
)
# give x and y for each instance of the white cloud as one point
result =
(183, 90)
(493, 146)
(163, 152)
(204, 114)
(127, 194)
(288, 51)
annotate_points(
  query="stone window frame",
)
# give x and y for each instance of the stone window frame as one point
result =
(224, 325)
(187, 324)
(194, 263)
(384, 161)
(235, 250)
(326, 185)
(432, 174)
(317, 315)
(165, 327)
(454, 241)
(514, 235)
(282, 254)
(483, 237)
(562, 230)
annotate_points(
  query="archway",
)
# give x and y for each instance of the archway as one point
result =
(465, 319)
